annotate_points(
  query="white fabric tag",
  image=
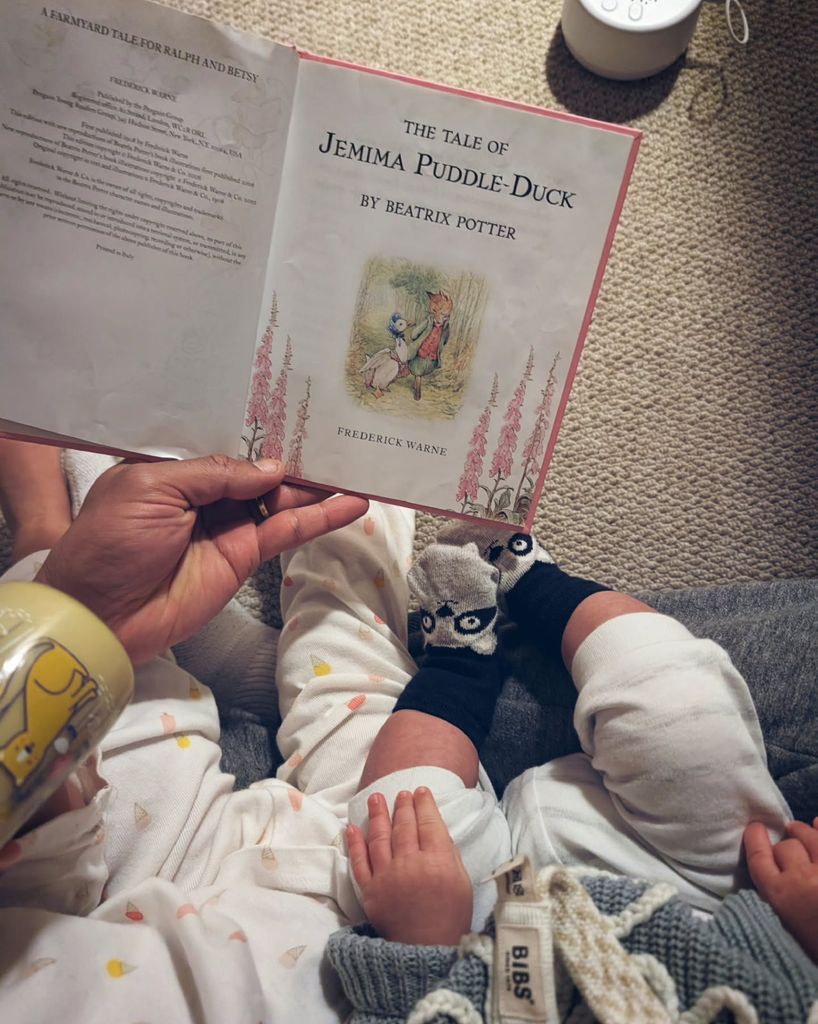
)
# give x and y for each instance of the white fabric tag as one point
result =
(515, 880)
(523, 980)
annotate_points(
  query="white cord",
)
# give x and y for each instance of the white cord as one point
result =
(731, 6)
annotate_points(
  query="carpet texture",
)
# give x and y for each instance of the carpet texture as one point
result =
(688, 452)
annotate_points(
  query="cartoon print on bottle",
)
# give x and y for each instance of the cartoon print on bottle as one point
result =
(40, 704)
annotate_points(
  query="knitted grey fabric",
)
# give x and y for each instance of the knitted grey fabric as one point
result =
(388, 977)
(384, 980)
(249, 750)
(235, 655)
(743, 947)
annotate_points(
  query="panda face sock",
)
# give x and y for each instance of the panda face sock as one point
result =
(537, 594)
(457, 593)
(513, 554)
(461, 677)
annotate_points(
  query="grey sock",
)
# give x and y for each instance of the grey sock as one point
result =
(460, 677)
(457, 593)
(235, 655)
(512, 554)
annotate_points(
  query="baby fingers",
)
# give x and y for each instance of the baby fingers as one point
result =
(404, 825)
(380, 833)
(432, 831)
(359, 856)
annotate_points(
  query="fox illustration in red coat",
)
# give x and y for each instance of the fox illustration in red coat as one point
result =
(429, 339)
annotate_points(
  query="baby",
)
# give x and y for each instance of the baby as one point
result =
(661, 716)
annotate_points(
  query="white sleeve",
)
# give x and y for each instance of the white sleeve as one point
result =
(60, 866)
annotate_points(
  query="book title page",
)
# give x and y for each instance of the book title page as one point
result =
(433, 263)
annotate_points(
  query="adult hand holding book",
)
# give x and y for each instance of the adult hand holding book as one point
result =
(159, 548)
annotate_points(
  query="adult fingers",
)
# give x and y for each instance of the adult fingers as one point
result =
(807, 836)
(292, 496)
(359, 856)
(380, 833)
(760, 860)
(432, 831)
(789, 853)
(203, 481)
(295, 526)
(404, 825)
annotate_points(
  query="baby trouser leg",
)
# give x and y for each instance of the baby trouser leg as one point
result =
(673, 764)
(343, 663)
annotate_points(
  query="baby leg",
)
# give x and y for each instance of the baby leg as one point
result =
(33, 496)
(673, 765)
(342, 656)
(442, 717)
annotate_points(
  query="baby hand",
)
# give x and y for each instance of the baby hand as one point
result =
(786, 876)
(414, 886)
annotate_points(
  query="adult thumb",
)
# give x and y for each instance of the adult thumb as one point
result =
(203, 481)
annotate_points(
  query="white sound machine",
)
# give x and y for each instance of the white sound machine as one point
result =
(628, 39)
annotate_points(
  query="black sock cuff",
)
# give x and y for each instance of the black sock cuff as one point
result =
(459, 686)
(544, 599)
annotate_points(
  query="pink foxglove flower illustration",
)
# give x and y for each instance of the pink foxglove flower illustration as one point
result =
(535, 445)
(495, 386)
(470, 480)
(503, 457)
(273, 447)
(258, 415)
(507, 443)
(295, 466)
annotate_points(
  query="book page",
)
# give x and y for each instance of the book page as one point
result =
(434, 262)
(140, 157)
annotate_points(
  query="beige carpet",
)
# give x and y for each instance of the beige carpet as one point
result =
(688, 450)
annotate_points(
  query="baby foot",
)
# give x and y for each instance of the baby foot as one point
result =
(457, 592)
(512, 554)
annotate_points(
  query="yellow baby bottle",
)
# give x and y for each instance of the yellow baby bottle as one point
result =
(64, 680)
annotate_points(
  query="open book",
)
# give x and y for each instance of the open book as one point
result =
(211, 242)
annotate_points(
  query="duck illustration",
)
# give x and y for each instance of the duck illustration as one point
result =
(384, 365)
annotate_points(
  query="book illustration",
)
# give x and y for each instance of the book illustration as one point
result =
(429, 340)
(507, 495)
(534, 447)
(265, 415)
(386, 364)
(266, 412)
(295, 466)
(469, 483)
(413, 338)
